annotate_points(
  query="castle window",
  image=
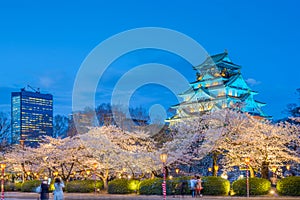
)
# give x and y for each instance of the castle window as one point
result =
(221, 93)
(209, 106)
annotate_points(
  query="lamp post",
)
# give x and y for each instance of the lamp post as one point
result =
(163, 158)
(247, 161)
(95, 165)
(2, 165)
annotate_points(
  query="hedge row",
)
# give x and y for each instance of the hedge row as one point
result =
(257, 186)
(289, 186)
(83, 186)
(212, 186)
(123, 186)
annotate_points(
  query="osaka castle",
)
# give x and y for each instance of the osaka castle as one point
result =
(219, 84)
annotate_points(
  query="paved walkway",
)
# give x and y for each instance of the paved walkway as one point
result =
(76, 196)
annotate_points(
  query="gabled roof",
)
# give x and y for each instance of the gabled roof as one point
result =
(189, 91)
(218, 58)
(231, 83)
(259, 103)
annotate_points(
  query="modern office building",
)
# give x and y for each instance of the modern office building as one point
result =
(31, 116)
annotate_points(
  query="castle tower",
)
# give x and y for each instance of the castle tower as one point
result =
(219, 84)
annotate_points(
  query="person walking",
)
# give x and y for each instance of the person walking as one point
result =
(58, 189)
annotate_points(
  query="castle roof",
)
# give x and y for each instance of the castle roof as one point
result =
(222, 59)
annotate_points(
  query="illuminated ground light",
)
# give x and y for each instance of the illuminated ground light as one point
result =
(273, 192)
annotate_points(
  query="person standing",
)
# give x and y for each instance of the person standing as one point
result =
(58, 189)
(183, 186)
(199, 186)
(44, 190)
(193, 183)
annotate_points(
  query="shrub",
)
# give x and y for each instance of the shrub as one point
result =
(51, 186)
(123, 186)
(118, 186)
(18, 186)
(289, 186)
(154, 186)
(176, 184)
(133, 186)
(257, 186)
(9, 186)
(213, 185)
(83, 186)
(30, 186)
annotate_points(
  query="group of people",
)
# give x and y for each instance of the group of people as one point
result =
(58, 189)
(196, 186)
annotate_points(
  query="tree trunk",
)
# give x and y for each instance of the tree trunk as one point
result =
(215, 163)
(251, 172)
(105, 183)
(265, 170)
(105, 179)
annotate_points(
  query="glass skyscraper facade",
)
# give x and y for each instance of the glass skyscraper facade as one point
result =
(31, 116)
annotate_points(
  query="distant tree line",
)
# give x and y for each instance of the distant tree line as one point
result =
(105, 114)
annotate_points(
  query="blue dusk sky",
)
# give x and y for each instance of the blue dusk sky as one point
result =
(44, 43)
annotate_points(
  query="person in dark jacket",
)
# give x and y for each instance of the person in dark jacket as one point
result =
(44, 190)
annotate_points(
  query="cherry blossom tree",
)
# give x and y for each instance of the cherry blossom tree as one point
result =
(116, 151)
(195, 137)
(235, 136)
(61, 155)
(266, 144)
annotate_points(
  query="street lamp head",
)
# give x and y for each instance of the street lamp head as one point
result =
(2, 165)
(163, 157)
(209, 169)
(216, 167)
(177, 170)
(88, 172)
(55, 173)
(274, 168)
(95, 165)
(247, 161)
(288, 167)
